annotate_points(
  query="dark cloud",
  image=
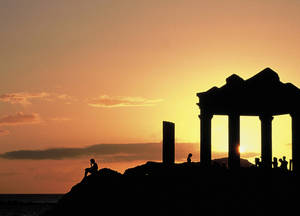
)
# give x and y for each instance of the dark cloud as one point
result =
(109, 101)
(115, 152)
(20, 118)
(105, 152)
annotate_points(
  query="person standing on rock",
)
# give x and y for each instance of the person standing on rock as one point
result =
(189, 158)
(93, 169)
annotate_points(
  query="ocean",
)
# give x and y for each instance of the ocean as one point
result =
(26, 204)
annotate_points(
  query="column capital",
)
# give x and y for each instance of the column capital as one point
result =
(266, 117)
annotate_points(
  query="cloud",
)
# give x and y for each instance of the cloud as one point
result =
(23, 98)
(20, 118)
(67, 98)
(115, 153)
(60, 119)
(112, 152)
(4, 132)
(103, 152)
(118, 101)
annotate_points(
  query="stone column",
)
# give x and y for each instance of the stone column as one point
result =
(205, 140)
(168, 142)
(234, 141)
(266, 140)
(295, 141)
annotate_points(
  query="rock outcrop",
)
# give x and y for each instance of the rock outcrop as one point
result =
(181, 189)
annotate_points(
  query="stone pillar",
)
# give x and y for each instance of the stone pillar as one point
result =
(295, 141)
(205, 140)
(168, 142)
(234, 141)
(266, 140)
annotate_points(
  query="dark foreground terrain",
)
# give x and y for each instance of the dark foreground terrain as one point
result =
(27, 204)
(183, 189)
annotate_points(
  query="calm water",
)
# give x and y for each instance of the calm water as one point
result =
(26, 204)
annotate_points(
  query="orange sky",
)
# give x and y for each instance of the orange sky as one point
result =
(74, 75)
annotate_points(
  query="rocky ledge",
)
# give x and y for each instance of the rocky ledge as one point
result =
(182, 189)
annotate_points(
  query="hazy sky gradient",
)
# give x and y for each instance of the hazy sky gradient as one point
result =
(76, 73)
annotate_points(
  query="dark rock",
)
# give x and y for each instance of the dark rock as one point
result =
(181, 189)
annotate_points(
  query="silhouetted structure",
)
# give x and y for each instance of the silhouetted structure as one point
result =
(168, 142)
(291, 165)
(262, 95)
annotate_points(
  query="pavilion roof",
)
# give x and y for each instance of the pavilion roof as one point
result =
(263, 93)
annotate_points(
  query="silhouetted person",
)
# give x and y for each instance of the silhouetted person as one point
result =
(275, 162)
(257, 162)
(93, 169)
(284, 163)
(189, 158)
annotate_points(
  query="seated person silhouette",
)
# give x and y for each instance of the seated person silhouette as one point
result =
(93, 169)
(189, 160)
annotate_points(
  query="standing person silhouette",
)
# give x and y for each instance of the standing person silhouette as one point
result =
(93, 169)
(284, 163)
(189, 158)
(275, 163)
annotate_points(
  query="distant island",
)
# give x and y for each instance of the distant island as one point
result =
(182, 189)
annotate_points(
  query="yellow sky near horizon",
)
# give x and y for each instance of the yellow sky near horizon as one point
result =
(77, 74)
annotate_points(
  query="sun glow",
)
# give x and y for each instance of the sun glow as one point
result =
(241, 149)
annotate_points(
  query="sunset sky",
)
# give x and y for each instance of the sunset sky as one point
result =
(75, 75)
